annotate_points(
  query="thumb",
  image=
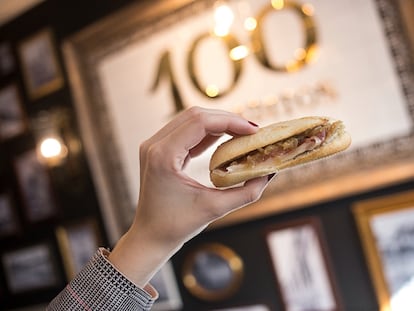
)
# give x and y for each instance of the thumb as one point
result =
(234, 198)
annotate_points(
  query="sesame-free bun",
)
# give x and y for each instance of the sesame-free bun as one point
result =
(236, 147)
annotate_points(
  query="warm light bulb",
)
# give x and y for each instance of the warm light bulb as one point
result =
(223, 19)
(212, 90)
(278, 4)
(239, 52)
(51, 147)
(250, 23)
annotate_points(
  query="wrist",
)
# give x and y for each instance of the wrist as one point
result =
(139, 257)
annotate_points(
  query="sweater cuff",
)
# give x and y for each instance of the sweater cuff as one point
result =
(151, 291)
(100, 286)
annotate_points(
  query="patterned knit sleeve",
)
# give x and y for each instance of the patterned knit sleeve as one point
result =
(100, 286)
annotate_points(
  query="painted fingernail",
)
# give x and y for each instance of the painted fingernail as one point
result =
(252, 123)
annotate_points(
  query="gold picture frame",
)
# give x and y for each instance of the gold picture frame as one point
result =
(212, 272)
(77, 242)
(385, 225)
(40, 64)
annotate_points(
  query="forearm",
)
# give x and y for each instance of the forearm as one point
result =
(100, 286)
(139, 256)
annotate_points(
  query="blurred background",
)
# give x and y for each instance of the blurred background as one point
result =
(82, 83)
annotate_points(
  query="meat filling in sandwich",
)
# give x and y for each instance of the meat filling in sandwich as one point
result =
(284, 150)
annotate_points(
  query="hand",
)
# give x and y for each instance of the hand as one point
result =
(172, 207)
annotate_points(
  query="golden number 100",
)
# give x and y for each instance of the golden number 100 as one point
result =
(301, 57)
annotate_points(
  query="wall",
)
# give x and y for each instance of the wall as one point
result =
(76, 198)
(74, 194)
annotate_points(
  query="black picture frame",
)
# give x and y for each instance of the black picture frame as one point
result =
(35, 187)
(7, 61)
(30, 268)
(9, 223)
(13, 119)
(302, 268)
(40, 64)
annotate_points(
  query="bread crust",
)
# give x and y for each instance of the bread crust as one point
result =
(236, 147)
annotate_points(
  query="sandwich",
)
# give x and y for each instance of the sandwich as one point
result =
(275, 147)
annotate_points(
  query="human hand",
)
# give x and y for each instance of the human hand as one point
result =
(172, 207)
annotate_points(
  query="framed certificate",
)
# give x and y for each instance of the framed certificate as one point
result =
(386, 226)
(302, 266)
(268, 61)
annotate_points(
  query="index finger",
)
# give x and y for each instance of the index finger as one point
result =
(204, 123)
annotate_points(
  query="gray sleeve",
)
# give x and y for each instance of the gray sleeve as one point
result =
(99, 286)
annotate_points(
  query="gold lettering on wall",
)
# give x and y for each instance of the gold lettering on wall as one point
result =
(212, 90)
(289, 102)
(302, 55)
(238, 52)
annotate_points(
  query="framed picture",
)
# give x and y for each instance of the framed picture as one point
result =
(176, 52)
(35, 187)
(13, 120)
(78, 243)
(8, 220)
(6, 59)
(212, 272)
(41, 70)
(165, 283)
(30, 268)
(386, 227)
(302, 269)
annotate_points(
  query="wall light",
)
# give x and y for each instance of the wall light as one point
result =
(223, 19)
(52, 149)
(55, 141)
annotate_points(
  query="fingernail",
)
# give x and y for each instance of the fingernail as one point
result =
(252, 123)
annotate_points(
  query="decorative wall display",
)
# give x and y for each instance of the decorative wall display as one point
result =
(6, 59)
(78, 243)
(8, 221)
(165, 54)
(35, 187)
(212, 272)
(40, 64)
(30, 268)
(166, 285)
(12, 117)
(386, 226)
(301, 266)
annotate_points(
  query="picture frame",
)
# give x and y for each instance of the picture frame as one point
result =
(40, 64)
(165, 282)
(9, 224)
(77, 242)
(106, 59)
(7, 62)
(385, 225)
(35, 187)
(30, 268)
(212, 272)
(301, 265)
(13, 119)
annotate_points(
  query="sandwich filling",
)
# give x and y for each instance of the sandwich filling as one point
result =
(283, 150)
